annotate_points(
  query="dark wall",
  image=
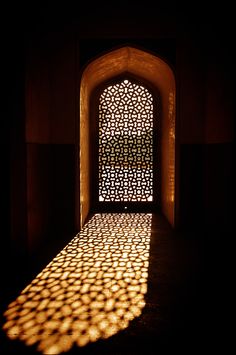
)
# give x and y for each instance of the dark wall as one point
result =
(219, 187)
(206, 132)
(13, 181)
(50, 138)
(38, 149)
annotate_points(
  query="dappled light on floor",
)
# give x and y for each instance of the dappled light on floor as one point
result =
(91, 290)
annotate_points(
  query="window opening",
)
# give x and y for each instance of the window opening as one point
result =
(125, 143)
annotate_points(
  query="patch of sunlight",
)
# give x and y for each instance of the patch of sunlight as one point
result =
(91, 290)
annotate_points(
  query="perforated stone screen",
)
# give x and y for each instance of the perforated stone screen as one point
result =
(126, 143)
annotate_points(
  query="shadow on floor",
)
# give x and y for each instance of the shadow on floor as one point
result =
(179, 313)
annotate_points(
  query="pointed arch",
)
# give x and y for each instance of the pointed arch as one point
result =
(158, 73)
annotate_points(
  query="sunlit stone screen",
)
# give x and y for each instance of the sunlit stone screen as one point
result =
(91, 290)
(126, 143)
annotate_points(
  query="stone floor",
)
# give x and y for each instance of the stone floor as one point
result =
(183, 311)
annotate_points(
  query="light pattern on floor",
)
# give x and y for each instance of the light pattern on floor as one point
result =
(91, 290)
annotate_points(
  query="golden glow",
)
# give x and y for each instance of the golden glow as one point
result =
(153, 70)
(91, 290)
(126, 143)
(171, 155)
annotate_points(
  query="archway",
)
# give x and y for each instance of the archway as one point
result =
(158, 73)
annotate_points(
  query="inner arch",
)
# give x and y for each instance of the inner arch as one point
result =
(158, 73)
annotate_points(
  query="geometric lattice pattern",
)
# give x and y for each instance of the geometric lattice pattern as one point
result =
(91, 290)
(126, 143)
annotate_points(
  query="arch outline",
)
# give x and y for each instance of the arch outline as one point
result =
(159, 74)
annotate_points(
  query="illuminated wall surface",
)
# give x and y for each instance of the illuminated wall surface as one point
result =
(91, 290)
(126, 143)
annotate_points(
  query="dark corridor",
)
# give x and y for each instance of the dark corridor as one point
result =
(45, 51)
